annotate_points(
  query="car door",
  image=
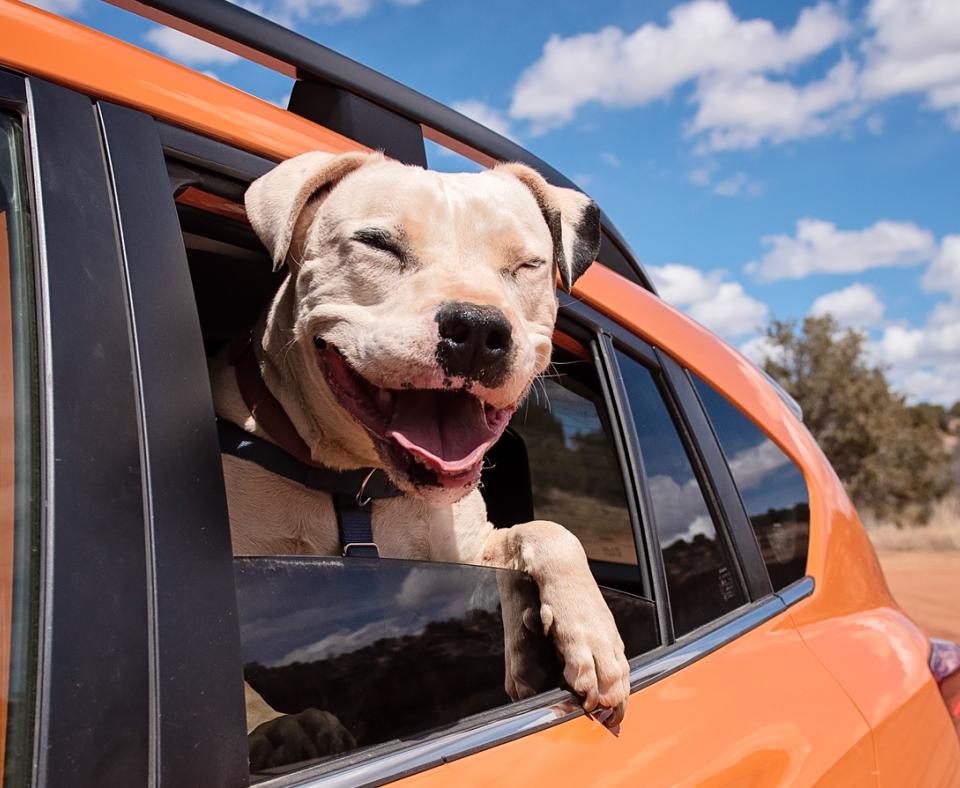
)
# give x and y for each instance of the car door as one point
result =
(729, 692)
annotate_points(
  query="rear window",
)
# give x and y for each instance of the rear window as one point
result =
(771, 486)
(702, 581)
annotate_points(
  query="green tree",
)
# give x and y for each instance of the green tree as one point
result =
(889, 456)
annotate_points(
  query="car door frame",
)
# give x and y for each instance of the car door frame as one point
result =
(89, 573)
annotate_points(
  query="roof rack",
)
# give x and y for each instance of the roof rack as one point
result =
(361, 103)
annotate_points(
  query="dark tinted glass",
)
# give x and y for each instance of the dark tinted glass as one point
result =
(771, 486)
(574, 473)
(701, 578)
(19, 462)
(391, 648)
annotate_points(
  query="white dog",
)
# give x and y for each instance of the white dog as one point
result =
(418, 309)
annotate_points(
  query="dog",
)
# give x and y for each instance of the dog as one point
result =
(418, 309)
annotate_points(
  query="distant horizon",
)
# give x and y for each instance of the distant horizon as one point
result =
(763, 160)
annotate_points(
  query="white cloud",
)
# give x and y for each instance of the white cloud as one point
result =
(857, 306)
(723, 307)
(819, 247)
(62, 7)
(485, 114)
(752, 465)
(914, 48)
(702, 38)
(610, 159)
(924, 361)
(944, 272)
(289, 12)
(736, 184)
(187, 49)
(760, 349)
(700, 176)
(732, 186)
(740, 112)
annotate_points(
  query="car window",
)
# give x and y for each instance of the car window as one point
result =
(380, 650)
(397, 649)
(771, 487)
(702, 581)
(573, 476)
(19, 476)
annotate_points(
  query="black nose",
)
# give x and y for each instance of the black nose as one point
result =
(475, 342)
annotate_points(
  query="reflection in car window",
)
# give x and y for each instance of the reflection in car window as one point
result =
(771, 486)
(390, 649)
(19, 476)
(574, 472)
(701, 578)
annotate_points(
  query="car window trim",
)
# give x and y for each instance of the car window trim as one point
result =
(717, 476)
(92, 605)
(395, 760)
(580, 322)
(633, 461)
(193, 608)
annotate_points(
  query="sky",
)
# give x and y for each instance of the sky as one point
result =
(765, 160)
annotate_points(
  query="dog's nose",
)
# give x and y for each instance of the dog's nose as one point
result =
(475, 342)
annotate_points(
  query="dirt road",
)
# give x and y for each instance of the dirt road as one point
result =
(927, 586)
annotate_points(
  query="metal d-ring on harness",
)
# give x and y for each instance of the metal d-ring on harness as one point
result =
(287, 455)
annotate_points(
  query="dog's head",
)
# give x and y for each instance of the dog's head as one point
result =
(424, 302)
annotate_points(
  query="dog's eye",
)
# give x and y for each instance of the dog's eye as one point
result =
(532, 264)
(379, 239)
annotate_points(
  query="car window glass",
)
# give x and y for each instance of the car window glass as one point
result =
(19, 476)
(771, 486)
(378, 650)
(701, 579)
(574, 473)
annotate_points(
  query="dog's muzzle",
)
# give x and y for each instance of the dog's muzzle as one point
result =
(475, 343)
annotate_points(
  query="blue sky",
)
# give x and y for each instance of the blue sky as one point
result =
(762, 159)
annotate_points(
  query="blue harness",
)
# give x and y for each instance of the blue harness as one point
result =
(351, 491)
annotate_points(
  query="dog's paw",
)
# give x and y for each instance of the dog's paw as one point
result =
(297, 737)
(586, 637)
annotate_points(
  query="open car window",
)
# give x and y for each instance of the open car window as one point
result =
(387, 651)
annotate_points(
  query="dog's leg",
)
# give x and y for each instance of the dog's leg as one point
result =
(572, 610)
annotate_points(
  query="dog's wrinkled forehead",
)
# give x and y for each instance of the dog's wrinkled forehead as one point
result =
(478, 214)
(503, 211)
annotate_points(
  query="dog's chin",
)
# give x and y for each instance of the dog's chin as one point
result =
(432, 441)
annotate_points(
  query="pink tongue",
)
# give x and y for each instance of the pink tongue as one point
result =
(446, 430)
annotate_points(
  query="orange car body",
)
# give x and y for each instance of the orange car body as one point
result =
(877, 718)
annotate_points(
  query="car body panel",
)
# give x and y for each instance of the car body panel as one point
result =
(770, 735)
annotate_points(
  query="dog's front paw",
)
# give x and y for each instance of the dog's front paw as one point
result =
(586, 637)
(297, 737)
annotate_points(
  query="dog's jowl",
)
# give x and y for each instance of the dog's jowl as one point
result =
(417, 310)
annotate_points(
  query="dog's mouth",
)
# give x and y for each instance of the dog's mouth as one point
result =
(436, 437)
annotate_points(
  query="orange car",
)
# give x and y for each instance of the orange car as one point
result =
(765, 646)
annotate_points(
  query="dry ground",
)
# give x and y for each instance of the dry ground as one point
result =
(927, 586)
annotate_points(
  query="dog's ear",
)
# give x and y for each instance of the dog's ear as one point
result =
(275, 201)
(573, 219)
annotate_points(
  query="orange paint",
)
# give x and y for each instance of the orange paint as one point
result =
(834, 691)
